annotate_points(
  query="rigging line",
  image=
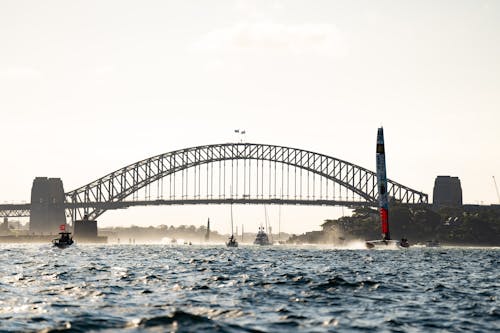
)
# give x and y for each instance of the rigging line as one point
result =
(257, 178)
(295, 181)
(195, 179)
(300, 190)
(198, 180)
(314, 185)
(199, 174)
(308, 173)
(212, 178)
(288, 179)
(237, 173)
(158, 189)
(249, 178)
(327, 179)
(282, 180)
(187, 183)
(262, 177)
(175, 175)
(321, 180)
(333, 184)
(244, 177)
(232, 179)
(270, 180)
(275, 177)
(237, 170)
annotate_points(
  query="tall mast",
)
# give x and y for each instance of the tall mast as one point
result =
(207, 235)
(231, 190)
(265, 215)
(383, 201)
(279, 223)
(231, 220)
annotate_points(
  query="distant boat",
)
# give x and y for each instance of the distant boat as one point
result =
(64, 239)
(404, 243)
(262, 238)
(232, 240)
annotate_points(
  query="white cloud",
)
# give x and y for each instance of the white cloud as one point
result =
(316, 39)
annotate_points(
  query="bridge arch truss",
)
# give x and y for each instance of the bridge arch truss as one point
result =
(235, 172)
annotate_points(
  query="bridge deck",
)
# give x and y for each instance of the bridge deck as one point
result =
(23, 210)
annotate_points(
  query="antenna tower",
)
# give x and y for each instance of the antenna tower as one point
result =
(496, 188)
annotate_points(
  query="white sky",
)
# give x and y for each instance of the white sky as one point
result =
(87, 87)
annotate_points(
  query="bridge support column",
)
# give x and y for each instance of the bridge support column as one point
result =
(86, 231)
(4, 227)
(47, 205)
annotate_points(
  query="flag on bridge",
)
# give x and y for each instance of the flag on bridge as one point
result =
(62, 227)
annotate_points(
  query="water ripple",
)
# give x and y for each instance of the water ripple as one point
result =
(250, 289)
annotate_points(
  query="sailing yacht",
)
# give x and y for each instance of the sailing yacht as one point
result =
(232, 240)
(386, 240)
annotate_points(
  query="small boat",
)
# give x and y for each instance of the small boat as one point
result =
(261, 238)
(232, 240)
(64, 240)
(403, 243)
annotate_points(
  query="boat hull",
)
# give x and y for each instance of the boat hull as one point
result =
(385, 244)
(262, 239)
(62, 245)
(63, 241)
(262, 243)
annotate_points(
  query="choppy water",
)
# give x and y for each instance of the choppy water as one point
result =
(248, 289)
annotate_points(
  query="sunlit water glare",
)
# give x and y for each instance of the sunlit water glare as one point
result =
(248, 289)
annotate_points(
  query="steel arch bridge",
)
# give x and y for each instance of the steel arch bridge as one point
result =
(234, 173)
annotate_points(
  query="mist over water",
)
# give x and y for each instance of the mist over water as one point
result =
(248, 289)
